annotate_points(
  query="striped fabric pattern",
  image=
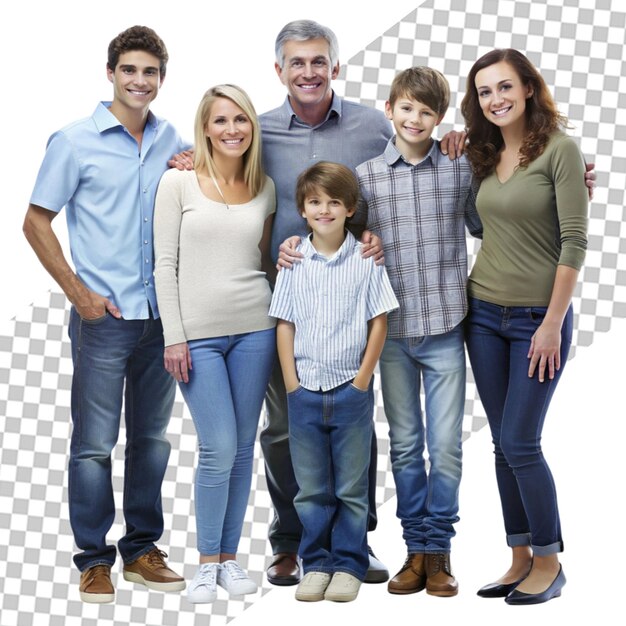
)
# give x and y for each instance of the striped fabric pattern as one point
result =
(330, 302)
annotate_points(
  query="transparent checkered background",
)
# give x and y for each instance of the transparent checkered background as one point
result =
(579, 46)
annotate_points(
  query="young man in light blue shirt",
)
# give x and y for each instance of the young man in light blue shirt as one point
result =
(332, 324)
(105, 169)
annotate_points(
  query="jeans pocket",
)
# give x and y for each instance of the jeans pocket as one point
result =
(361, 391)
(537, 314)
(96, 320)
(296, 390)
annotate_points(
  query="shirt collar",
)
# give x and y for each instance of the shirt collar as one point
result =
(392, 155)
(289, 115)
(347, 247)
(104, 119)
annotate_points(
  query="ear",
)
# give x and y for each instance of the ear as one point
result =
(279, 71)
(350, 212)
(388, 110)
(529, 92)
(439, 120)
(110, 73)
(335, 71)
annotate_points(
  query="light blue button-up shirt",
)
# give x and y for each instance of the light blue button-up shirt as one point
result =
(95, 169)
(330, 302)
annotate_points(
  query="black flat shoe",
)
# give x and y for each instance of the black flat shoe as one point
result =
(553, 591)
(498, 590)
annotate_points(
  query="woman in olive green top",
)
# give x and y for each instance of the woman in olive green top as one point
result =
(533, 205)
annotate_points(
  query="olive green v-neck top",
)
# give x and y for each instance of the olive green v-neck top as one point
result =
(532, 222)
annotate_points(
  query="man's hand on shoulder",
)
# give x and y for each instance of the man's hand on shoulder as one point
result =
(287, 253)
(182, 161)
(590, 178)
(372, 245)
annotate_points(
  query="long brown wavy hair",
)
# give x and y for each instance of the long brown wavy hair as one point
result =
(485, 138)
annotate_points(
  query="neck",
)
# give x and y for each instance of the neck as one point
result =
(328, 244)
(413, 154)
(133, 120)
(312, 114)
(228, 170)
(513, 136)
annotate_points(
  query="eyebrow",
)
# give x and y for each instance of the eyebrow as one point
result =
(504, 80)
(319, 57)
(128, 66)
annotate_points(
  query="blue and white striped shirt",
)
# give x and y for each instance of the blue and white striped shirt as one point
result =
(330, 302)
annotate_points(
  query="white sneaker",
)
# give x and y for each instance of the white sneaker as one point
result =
(232, 577)
(203, 587)
(342, 588)
(312, 587)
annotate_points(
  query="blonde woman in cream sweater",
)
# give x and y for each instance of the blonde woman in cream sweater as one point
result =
(220, 342)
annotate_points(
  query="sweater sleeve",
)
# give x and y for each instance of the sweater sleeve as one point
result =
(167, 223)
(572, 200)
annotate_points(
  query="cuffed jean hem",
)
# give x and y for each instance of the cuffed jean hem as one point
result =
(514, 541)
(553, 548)
(328, 569)
(139, 554)
(96, 562)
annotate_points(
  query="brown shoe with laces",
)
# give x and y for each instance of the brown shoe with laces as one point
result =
(96, 586)
(152, 571)
(411, 578)
(439, 578)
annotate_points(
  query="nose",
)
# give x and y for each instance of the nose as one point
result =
(232, 129)
(140, 78)
(309, 70)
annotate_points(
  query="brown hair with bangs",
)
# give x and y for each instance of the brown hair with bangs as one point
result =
(334, 179)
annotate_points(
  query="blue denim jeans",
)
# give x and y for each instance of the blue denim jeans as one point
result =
(224, 394)
(498, 339)
(116, 359)
(330, 435)
(286, 529)
(428, 500)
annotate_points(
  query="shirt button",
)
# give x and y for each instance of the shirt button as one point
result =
(146, 282)
(145, 242)
(147, 261)
(145, 219)
(145, 190)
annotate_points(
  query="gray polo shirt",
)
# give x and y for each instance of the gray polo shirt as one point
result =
(350, 134)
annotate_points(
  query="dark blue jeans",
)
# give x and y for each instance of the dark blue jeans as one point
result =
(116, 359)
(330, 434)
(498, 339)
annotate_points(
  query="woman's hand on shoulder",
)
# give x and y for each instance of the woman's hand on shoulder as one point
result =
(177, 361)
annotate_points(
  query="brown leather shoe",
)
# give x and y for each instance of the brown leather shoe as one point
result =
(152, 571)
(284, 569)
(95, 585)
(439, 578)
(411, 578)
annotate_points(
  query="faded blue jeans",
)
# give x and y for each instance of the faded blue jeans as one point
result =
(330, 436)
(115, 359)
(428, 500)
(498, 339)
(225, 392)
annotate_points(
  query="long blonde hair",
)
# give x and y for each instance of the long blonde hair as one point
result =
(253, 168)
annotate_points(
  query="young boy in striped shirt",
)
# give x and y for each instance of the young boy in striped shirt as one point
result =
(332, 310)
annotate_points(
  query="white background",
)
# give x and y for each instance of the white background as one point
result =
(53, 58)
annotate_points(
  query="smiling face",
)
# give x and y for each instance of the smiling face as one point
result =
(414, 123)
(324, 214)
(228, 129)
(502, 95)
(307, 73)
(136, 81)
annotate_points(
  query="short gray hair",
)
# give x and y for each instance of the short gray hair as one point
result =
(304, 30)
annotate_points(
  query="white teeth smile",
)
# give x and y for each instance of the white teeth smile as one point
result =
(501, 111)
(138, 93)
(232, 141)
(315, 86)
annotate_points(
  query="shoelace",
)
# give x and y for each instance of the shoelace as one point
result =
(438, 563)
(157, 557)
(207, 575)
(234, 570)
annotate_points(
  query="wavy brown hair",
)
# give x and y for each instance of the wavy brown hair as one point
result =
(485, 138)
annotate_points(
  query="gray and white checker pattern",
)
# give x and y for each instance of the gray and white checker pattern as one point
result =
(579, 46)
